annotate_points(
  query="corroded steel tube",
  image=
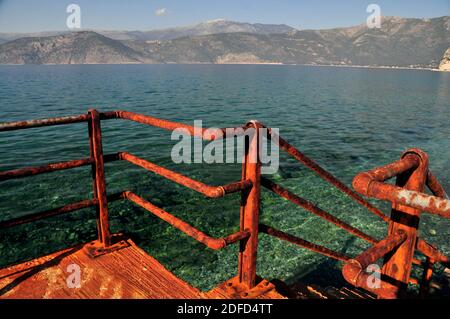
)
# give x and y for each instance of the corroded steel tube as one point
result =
(277, 189)
(213, 243)
(250, 209)
(49, 213)
(426, 277)
(210, 191)
(371, 184)
(57, 211)
(99, 179)
(168, 125)
(30, 171)
(238, 236)
(309, 163)
(10, 126)
(363, 181)
(354, 270)
(432, 252)
(402, 196)
(408, 162)
(435, 187)
(302, 243)
(398, 264)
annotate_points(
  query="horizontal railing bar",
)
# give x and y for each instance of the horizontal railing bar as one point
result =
(432, 252)
(213, 243)
(302, 243)
(434, 186)
(325, 175)
(381, 248)
(400, 196)
(31, 171)
(10, 126)
(354, 270)
(213, 134)
(372, 184)
(210, 191)
(171, 126)
(238, 236)
(56, 211)
(277, 189)
(362, 181)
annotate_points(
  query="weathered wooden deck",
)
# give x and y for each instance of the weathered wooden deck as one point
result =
(126, 273)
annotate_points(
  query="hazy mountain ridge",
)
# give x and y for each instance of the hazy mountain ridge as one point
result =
(400, 42)
(203, 28)
(72, 48)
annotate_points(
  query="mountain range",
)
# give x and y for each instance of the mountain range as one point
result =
(400, 42)
(203, 28)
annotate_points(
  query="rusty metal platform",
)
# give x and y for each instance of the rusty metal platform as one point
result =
(126, 273)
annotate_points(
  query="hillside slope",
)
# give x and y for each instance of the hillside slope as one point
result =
(71, 48)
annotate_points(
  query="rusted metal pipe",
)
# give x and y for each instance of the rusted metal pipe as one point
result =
(371, 184)
(432, 252)
(250, 208)
(56, 211)
(10, 126)
(48, 213)
(210, 191)
(398, 264)
(435, 187)
(238, 236)
(213, 243)
(98, 176)
(362, 182)
(169, 125)
(302, 243)
(354, 270)
(401, 196)
(277, 189)
(426, 277)
(31, 171)
(312, 165)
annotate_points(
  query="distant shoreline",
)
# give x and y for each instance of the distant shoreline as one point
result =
(249, 63)
(375, 67)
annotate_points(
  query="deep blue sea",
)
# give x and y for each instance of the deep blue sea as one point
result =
(347, 119)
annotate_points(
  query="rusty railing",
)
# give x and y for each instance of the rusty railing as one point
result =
(408, 201)
(248, 186)
(399, 243)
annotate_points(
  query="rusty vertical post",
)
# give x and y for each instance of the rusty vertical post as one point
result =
(426, 277)
(98, 176)
(249, 219)
(397, 265)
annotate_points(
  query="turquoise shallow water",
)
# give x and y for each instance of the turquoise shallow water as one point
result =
(348, 120)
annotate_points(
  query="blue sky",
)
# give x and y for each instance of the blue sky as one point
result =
(47, 15)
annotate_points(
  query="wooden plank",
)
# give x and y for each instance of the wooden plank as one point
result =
(233, 289)
(126, 273)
